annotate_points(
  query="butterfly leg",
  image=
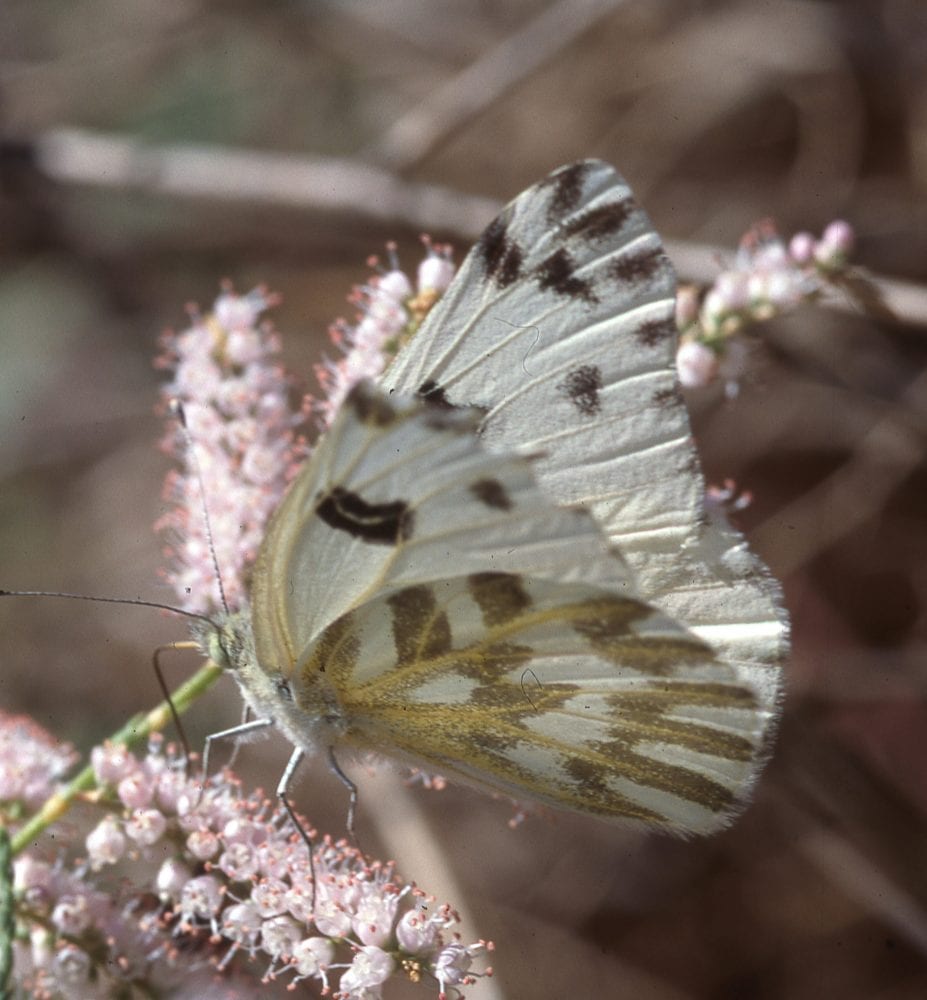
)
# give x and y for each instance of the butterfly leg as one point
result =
(283, 786)
(245, 719)
(239, 730)
(352, 791)
(165, 691)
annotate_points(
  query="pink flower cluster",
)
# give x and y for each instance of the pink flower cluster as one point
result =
(31, 761)
(241, 448)
(212, 864)
(769, 277)
(390, 310)
(240, 452)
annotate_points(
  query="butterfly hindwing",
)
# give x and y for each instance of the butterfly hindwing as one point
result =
(567, 694)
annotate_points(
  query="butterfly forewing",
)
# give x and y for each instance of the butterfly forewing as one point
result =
(400, 494)
(560, 326)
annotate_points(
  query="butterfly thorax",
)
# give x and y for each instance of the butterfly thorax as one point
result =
(309, 718)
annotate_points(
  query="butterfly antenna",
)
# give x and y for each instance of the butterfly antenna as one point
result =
(137, 601)
(162, 684)
(178, 409)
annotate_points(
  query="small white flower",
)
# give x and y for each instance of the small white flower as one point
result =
(72, 915)
(146, 826)
(373, 918)
(241, 923)
(801, 248)
(435, 273)
(269, 896)
(106, 843)
(280, 935)
(201, 899)
(453, 964)
(394, 284)
(172, 876)
(371, 968)
(313, 955)
(416, 934)
(696, 364)
(111, 763)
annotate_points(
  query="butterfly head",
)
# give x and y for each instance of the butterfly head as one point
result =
(303, 715)
(227, 640)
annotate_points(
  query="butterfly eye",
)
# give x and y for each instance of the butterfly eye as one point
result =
(283, 689)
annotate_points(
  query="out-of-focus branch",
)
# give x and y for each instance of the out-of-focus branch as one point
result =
(883, 458)
(484, 81)
(74, 156)
(214, 173)
(826, 794)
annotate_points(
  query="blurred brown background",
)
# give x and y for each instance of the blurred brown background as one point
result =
(719, 113)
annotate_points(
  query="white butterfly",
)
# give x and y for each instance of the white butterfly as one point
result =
(502, 569)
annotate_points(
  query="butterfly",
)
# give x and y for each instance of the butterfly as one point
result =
(497, 565)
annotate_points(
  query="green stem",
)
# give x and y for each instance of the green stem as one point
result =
(138, 728)
(7, 913)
